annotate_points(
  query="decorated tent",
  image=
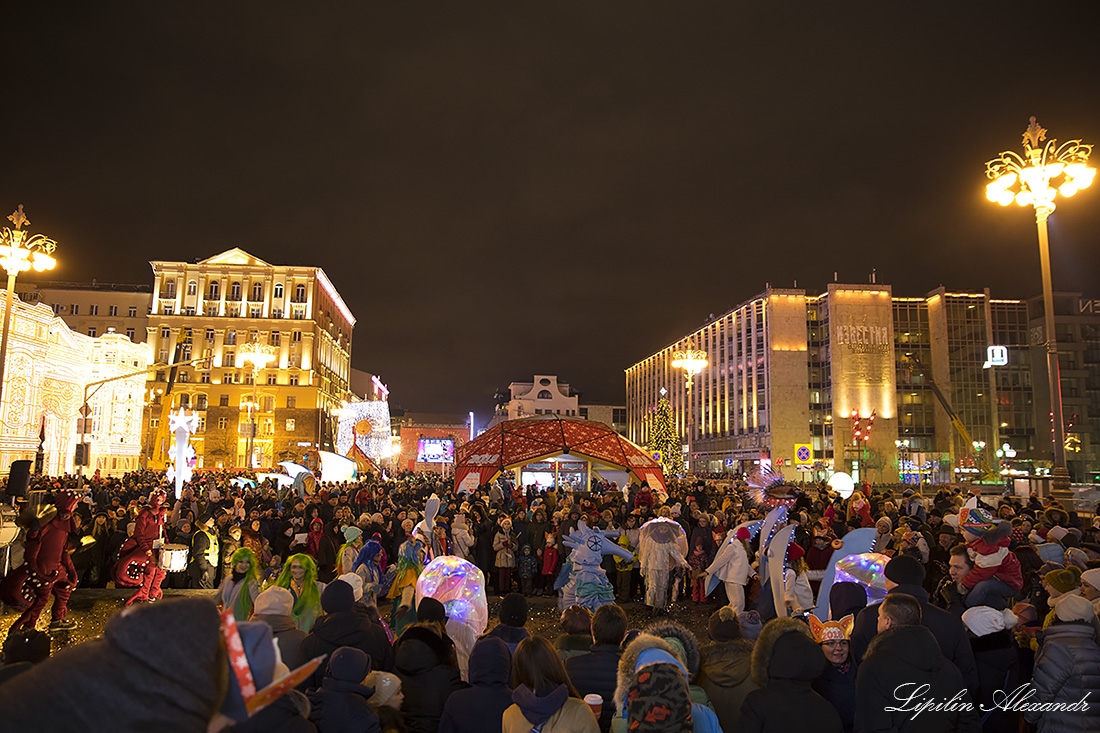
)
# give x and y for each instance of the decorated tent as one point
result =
(517, 443)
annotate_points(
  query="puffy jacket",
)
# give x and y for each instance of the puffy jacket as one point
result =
(596, 673)
(429, 674)
(346, 628)
(839, 688)
(1066, 669)
(341, 707)
(480, 709)
(899, 662)
(785, 660)
(554, 715)
(725, 673)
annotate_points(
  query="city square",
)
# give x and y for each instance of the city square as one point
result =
(550, 368)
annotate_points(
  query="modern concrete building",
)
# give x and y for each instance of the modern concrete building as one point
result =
(215, 308)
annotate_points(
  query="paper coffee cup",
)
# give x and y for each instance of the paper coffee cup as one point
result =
(595, 702)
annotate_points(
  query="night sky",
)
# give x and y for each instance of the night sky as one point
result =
(499, 190)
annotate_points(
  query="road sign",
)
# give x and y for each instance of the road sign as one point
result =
(803, 454)
(85, 410)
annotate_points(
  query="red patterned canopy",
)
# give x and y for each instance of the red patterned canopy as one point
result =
(519, 442)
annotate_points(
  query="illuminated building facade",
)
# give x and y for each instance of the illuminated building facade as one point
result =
(49, 367)
(219, 305)
(94, 308)
(843, 381)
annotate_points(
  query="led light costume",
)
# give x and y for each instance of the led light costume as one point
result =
(588, 585)
(47, 568)
(137, 562)
(460, 586)
(662, 549)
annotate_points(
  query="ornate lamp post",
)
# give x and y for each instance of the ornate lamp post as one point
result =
(19, 253)
(1044, 171)
(692, 361)
(258, 355)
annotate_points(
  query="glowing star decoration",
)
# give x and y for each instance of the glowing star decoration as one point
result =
(588, 585)
(842, 484)
(366, 425)
(868, 569)
(182, 453)
(460, 586)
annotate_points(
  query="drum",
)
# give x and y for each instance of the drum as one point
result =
(9, 530)
(173, 558)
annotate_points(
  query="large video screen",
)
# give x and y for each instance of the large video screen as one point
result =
(435, 450)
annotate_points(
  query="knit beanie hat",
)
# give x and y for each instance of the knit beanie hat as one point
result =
(431, 610)
(274, 601)
(337, 596)
(947, 529)
(513, 610)
(983, 620)
(846, 599)
(352, 533)
(1062, 581)
(1055, 534)
(348, 664)
(751, 625)
(723, 625)
(658, 702)
(795, 551)
(1073, 608)
(355, 582)
(385, 684)
(905, 570)
(976, 520)
(1092, 577)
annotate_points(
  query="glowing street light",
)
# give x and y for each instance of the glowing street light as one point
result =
(259, 356)
(692, 361)
(1036, 179)
(19, 253)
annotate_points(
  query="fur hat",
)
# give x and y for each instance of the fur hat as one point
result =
(775, 632)
(983, 620)
(658, 700)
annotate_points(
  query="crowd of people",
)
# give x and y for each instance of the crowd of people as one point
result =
(989, 619)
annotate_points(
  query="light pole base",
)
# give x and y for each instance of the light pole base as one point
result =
(1059, 479)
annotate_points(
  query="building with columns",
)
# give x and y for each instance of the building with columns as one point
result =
(214, 308)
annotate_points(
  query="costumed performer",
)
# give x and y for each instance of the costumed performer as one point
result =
(239, 590)
(662, 550)
(299, 576)
(139, 556)
(47, 568)
(731, 566)
(588, 585)
(349, 551)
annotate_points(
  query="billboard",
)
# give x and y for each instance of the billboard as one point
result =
(435, 450)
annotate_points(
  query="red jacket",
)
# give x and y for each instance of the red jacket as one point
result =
(993, 561)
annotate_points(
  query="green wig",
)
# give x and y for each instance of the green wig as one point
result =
(311, 597)
(250, 575)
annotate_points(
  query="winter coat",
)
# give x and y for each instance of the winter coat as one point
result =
(510, 635)
(504, 543)
(429, 674)
(900, 661)
(1066, 669)
(528, 565)
(725, 673)
(347, 628)
(687, 648)
(993, 559)
(596, 673)
(341, 707)
(998, 669)
(572, 645)
(839, 688)
(785, 661)
(287, 636)
(946, 627)
(568, 716)
(288, 714)
(480, 709)
(705, 719)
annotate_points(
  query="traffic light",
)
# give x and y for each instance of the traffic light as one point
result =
(81, 457)
(870, 424)
(856, 431)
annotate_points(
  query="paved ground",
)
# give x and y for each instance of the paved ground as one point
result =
(92, 607)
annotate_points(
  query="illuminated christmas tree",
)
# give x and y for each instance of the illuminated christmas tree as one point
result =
(664, 439)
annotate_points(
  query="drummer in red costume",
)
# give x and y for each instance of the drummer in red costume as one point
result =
(47, 569)
(137, 564)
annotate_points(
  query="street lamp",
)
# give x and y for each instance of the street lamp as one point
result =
(903, 450)
(19, 253)
(258, 355)
(692, 361)
(1028, 181)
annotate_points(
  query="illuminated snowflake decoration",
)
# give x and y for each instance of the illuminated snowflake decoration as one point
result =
(367, 425)
(182, 453)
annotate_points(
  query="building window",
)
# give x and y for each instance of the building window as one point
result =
(200, 402)
(189, 310)
(211, 311)
(272, 378)
(230, 358)
(299, 313)
(74, 310)
(276, 312)
(257, 291)
(223, 400)
(278, 293)
(268, 404)
(538, 411)
(57, 309)
(209, 334)
(223, 423)
(130, 333)
(290, 425)
(234, 291)
(112, 310)
(584, 413)
(132, 311)
(213, 290)
(545, 395)
(274, 338)
(185, 399)
(299, 293)
(230, 337)
(169, 309)
(154, 422)
(296, 336)
(291, 402)
(227, 378)
(93, 310)
(91, 332)
(192, 287)
(293, 380)
(254, 311)
(170, 288)
(165, 332)
(205, 377)
(201, 426)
